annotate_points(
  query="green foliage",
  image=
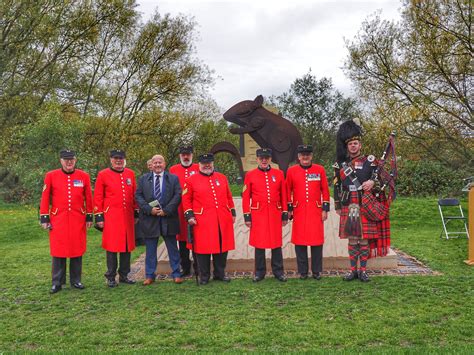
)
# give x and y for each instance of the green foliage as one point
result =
(417, 75)
(391, 314)
(430, 178)
(317, 109)
(37, 146)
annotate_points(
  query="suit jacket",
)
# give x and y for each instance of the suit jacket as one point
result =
(170, 200)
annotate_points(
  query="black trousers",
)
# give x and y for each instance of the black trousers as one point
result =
(219, 262)
(302, 259)
(58, 272)
(124, 265)
(185, 260)
(261, 264)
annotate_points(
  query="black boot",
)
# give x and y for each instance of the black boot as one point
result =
(351, 275)
(363, 277)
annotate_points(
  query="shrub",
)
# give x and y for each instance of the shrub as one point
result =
(429, 178)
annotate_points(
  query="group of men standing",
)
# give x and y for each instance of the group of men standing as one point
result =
(194, 199)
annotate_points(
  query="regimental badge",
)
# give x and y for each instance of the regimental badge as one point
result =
(274, 179)
(314, 177)
(218, 183)
(185, 191)
(77, 183)
(129, 182)
(192, 173)
(244, 188)
(358, 165)
(371, 158)
(45, 187)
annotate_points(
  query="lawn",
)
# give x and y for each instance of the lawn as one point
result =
(411, 313)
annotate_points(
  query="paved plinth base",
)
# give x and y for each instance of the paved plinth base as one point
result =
(335, 254)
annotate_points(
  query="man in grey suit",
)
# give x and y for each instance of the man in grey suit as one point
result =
(158, 195)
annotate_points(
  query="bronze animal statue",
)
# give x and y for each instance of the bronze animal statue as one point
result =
(268, 129)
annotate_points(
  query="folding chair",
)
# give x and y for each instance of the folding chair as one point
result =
(452, 205)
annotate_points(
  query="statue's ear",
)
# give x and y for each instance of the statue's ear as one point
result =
(258, 100)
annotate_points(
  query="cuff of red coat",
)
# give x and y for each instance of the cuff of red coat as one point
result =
(290, 207)
(44, 218)
(188, 214)
(247, 217)
(89, 217)
(232, 210)
(326, 206)
(99, 217)
(284, 216)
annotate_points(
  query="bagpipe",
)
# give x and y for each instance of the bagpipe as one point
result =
(375, 206)
(387, 177)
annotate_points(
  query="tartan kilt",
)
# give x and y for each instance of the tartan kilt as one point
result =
(377, 232)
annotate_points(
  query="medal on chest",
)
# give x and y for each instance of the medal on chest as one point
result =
(314, 177)
(274, 178)
(77, 183)
(129, 181)
(218, 183)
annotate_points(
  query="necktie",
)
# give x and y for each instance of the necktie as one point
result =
(157, 187)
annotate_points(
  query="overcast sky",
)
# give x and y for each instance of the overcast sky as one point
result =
(261, 47)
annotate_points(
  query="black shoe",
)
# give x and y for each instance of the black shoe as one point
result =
(78, 285)
(363, 277)
(127, 281)
(351, 275)
(303, 276)
(223, 279)
(187, 274)
(281, 278)
(203, 282)
(317, 276)
(55, 289)
(258, 278)
(111, 283)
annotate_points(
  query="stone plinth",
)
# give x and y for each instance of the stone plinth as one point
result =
(335, 255)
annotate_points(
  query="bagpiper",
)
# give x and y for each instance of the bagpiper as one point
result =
(363, 216)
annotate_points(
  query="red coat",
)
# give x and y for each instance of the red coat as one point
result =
(70, 198)
(308, 193)
(264, 200)
(209, 199)
(183, 173)
(114, 203)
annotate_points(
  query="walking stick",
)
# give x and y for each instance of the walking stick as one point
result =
(191, 241)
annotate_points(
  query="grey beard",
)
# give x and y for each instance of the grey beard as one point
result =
(186, 164)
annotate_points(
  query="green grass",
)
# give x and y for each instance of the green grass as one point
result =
(408, 314)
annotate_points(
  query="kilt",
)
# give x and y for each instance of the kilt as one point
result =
(377, 232)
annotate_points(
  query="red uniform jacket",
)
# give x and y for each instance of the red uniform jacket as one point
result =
(308, 193)
(209, 200)
(114, 203)
(183, 173)
(70, 197)
(264, 203)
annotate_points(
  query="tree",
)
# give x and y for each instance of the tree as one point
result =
(317, 109)
(419, 75)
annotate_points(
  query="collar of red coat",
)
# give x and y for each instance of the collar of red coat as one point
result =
(65, 172)
(267, 169)
(117, 171)
(306, 167)
(200, 172)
